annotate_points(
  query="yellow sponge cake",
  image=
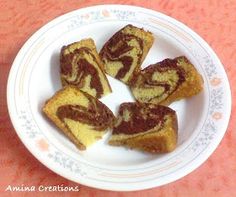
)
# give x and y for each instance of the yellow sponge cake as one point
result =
(81, 117)
(167, 81)
(81, 66)
(146, 127)
(125, 51)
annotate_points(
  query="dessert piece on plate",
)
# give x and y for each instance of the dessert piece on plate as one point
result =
(125, 51)
(81, 66)
(147, 127)
(81, 117)
(167, 81)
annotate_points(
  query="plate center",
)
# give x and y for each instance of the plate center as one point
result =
(47, 67)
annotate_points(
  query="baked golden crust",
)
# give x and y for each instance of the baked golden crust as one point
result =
(146, 127)
(81, 117)
(125, 51)
(81, 66)
(167, 81)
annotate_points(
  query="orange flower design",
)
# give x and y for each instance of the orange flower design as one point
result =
(215, 81)
(217, 115)
(85, 16)
(42, 145)
(105, 13)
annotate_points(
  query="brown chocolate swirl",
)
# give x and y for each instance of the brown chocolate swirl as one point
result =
(75, 68)
(162, 67)
(142, 117)
(118, 49)
(145, 78)
(97, 115)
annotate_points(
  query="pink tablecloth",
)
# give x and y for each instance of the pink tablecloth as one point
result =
(214, 20)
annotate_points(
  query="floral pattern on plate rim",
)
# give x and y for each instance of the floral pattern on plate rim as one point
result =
(200, 143)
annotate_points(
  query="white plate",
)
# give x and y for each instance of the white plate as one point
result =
(34, 77)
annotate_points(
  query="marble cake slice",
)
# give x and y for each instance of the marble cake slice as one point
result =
(125, 51)
(81, 117)
(81, 66)
(146, 127)
(167, 81)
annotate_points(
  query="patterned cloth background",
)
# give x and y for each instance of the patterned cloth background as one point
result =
(214, 20)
